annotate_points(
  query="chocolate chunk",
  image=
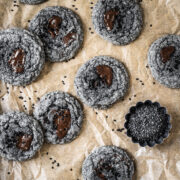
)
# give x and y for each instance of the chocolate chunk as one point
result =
(102, 165)
(54, 24)
(70, 36)
(106, 73)
(17, 61)
(24, 142)
(166, 53)
(109, 18)
(62, 120)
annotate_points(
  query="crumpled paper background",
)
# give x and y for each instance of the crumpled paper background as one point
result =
(100, 127)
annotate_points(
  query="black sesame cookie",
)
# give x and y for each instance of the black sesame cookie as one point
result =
(20, 136)
(147, 123)
(61, 31)
(21, 56)
(164, 60)
(108, 163)
(32, 1)
(60, 115)
(118, 21)
(101, 81)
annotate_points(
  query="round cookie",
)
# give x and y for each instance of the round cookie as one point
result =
(118, 21)
(32, 1)
(20, 136)
(61, 31)
(60, 115)
(108, 163)
(147, 123)
(164, 61)
(101, 81)
(21, 56)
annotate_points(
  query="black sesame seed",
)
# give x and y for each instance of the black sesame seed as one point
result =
(142, 84)
(137, 79)
(47, 153)
(8, 172)
(154, 83)
(92, 32)
(130, 99)
(20, 97)
(29, 20)
(52, 167)
(2, 99)
(73, 5)
(71, 169)
(57, 164)
(38, 98)
(50, 158)
(112, 129)
(150, 25)
(106, 116)
(135, 95)
(114, 120)
(89, 28)
(65, 76)
(120, 130)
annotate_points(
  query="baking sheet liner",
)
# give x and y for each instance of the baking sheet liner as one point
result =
(100, 127)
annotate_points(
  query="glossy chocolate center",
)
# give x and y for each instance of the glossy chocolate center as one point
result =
(109, 18)
(100, 167)
(62, 121)
(166, 53)
(105, 73)
(17, 61)
(24, 142)
(69, 37)
(54, 24)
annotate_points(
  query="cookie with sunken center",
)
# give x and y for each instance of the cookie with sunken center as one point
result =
(22, 56)
(61, 31)
(164, 60)
(21, 136)
(60, 116)
(101, 82)
(118, 21)
(32, 2)
(108, 163)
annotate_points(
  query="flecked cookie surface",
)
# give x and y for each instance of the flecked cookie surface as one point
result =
(164, 61)
(60, 115)
(118, 21)
(101, 82)
(108, 163)
(147, 123)
(21, 56)
(32, 1)
(20, 136)
(61, 31)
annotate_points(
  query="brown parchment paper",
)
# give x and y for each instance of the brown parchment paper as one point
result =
(99, 128)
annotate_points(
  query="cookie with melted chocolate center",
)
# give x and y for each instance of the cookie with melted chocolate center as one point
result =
(101, 82)
(61, 31)
(22, 56)
(108, 163)
(60, 115)
(21, 136)
(118, 21)
(164, 60)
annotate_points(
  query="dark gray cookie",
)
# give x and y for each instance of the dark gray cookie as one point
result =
(164, 60)
(61, 31)
(147, 123)
(108, 163)
(101, 82)
(118, 21)
(32, 1)
(20, 136)
(61, 117)
(21, 56)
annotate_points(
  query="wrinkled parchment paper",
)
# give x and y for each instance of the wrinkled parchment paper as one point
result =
(99, 128)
